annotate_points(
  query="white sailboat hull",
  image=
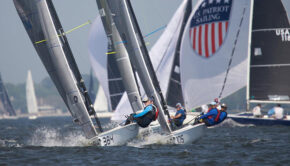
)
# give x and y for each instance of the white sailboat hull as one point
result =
(186, 135)
(117, 136)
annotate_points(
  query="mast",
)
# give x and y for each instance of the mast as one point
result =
(174, 93)
(127, 25)
(41, 22)
(269, 57)
(121, 55)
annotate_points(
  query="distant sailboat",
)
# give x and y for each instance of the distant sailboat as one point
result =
(6, 108)
(269, 61)
(31, 101)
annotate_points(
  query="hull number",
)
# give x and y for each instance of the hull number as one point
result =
(176, 139)
(107, 140)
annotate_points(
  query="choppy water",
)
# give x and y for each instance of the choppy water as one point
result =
(56, 141)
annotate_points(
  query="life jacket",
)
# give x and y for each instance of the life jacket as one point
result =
(218, 116)
(156, 112)
(153, 114)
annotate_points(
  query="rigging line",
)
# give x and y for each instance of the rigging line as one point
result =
(145, 36)
(232, 54)
(67, 32)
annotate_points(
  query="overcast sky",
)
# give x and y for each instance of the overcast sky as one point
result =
(17, 54)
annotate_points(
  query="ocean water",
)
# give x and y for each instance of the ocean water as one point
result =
(57, 141)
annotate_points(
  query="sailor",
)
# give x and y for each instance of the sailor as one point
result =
(180, 115)
(257, 111)
(276, 112)
(218, 106)
(214, 116)
(144, 118)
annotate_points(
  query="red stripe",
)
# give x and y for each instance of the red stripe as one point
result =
(206, 40)
(194, 38)
(220, 33)
(227, 24)
(199, 40)
(213, 37)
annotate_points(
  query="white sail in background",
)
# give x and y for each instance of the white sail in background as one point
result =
(98, 44)
(30, 95)
(161, 55)
(214, 42)
(101, 103)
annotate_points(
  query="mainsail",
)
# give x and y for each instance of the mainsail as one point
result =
(270, 53)
(6, 107)
(127, 25)
(45, 31)
(214, 50)
(162, 56)
(30, 95)
(121, 56)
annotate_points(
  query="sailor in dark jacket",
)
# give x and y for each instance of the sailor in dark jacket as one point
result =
(214, 116)
(144, 118)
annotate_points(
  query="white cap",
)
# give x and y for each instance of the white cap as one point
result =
(178, 105)
(213, 103)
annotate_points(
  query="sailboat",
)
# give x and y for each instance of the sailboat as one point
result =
(6, 108)
(269, 61)
(45, 31)
(127, 25)
(164, 56)
(31, 101)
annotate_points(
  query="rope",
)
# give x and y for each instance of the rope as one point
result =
(145, 36)
(67, 32)
(232, 54)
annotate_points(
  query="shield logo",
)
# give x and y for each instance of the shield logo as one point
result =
(209, 26)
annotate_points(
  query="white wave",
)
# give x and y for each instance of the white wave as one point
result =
(50, 137)
(151, 138)
(231, 123)
(9, 143)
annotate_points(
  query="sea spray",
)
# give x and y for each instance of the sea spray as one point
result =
(50, 137)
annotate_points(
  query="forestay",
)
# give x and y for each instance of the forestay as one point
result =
(214, 50)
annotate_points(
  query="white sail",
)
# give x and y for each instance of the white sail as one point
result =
(161, 55)
(98, 44)
(101, 104)
(214, 50)
(31, 101)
